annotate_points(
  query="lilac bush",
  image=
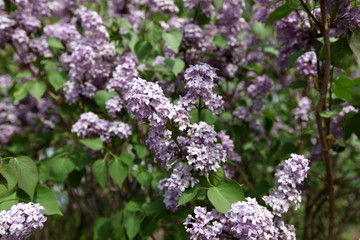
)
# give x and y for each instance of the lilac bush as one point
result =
(180, 119)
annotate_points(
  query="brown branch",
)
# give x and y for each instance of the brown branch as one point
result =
(307, 10)
(323, 84)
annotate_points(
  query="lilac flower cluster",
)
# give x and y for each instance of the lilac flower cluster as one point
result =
(336, 127)
(249, 220)
(199, 83)
(347, 18)
(205, 225)
(302, 110)
(21, 221)
(203, 5)
(234, 157)
(306, 64)
(290, 175)
(164, 6)
(174, 186)
(90, 125)
(90, 57)
(255, 91)
(203, 153)
(245, 220)
(293, 34)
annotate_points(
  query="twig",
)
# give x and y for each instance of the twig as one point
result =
(323, 84)
(309, 13)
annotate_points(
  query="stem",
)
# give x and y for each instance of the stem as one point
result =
(179, 146)
(323, 84)
(307, 10)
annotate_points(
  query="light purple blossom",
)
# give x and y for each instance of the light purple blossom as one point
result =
(199, 82)
(290, 175)
(302, 110)
(21, 221)
(306, 64)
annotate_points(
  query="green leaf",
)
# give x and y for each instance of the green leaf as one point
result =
(102, 227)
(140, 150)
(225, 194)
(260, 188)
(173, 39)
(348, 125)
(220, 41)
(226, 116)
(101, 172)
(118, 171)
(126, 158)
(332, 113)
(354, 43)
(20, 91)
(93, 143)
(11, 176)
(8, 201)
(298, 84)
(102, 96)
(279, 13)
(142, 176)
(188, 195)
(131, 39)
(23, 74)
(343, 88)
(218, 4)
(176, 65)
(132, 224)
(55, 43)
(148, 227)
(28, 174)
(60, 167)
(341, 54)
(294, 57)
(37, 89)
(261, 30)
(293, 3)
(56, 80)
(46, 197)
(217, 177)
(142, 50)
(154, 33)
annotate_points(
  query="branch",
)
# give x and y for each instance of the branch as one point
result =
(307, 10)
(323, 84)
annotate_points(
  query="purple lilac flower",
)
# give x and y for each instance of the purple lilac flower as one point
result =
(147, 101)
(347, 18)
(174, 186)
(124, 73)
(204, 225)
(286, 231)
(245, 220)
(290, 175)
(5, 81)
(249, 220)
(21, 221)
(293, 34)
(242, 113)
(306, 64)
(301, 112)
(204, 5)
(261, 86)
(163, 6)
(114, 105)
(336, 127)
(203, 153)
(228, 146)
(90, 125)
(199, 82)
